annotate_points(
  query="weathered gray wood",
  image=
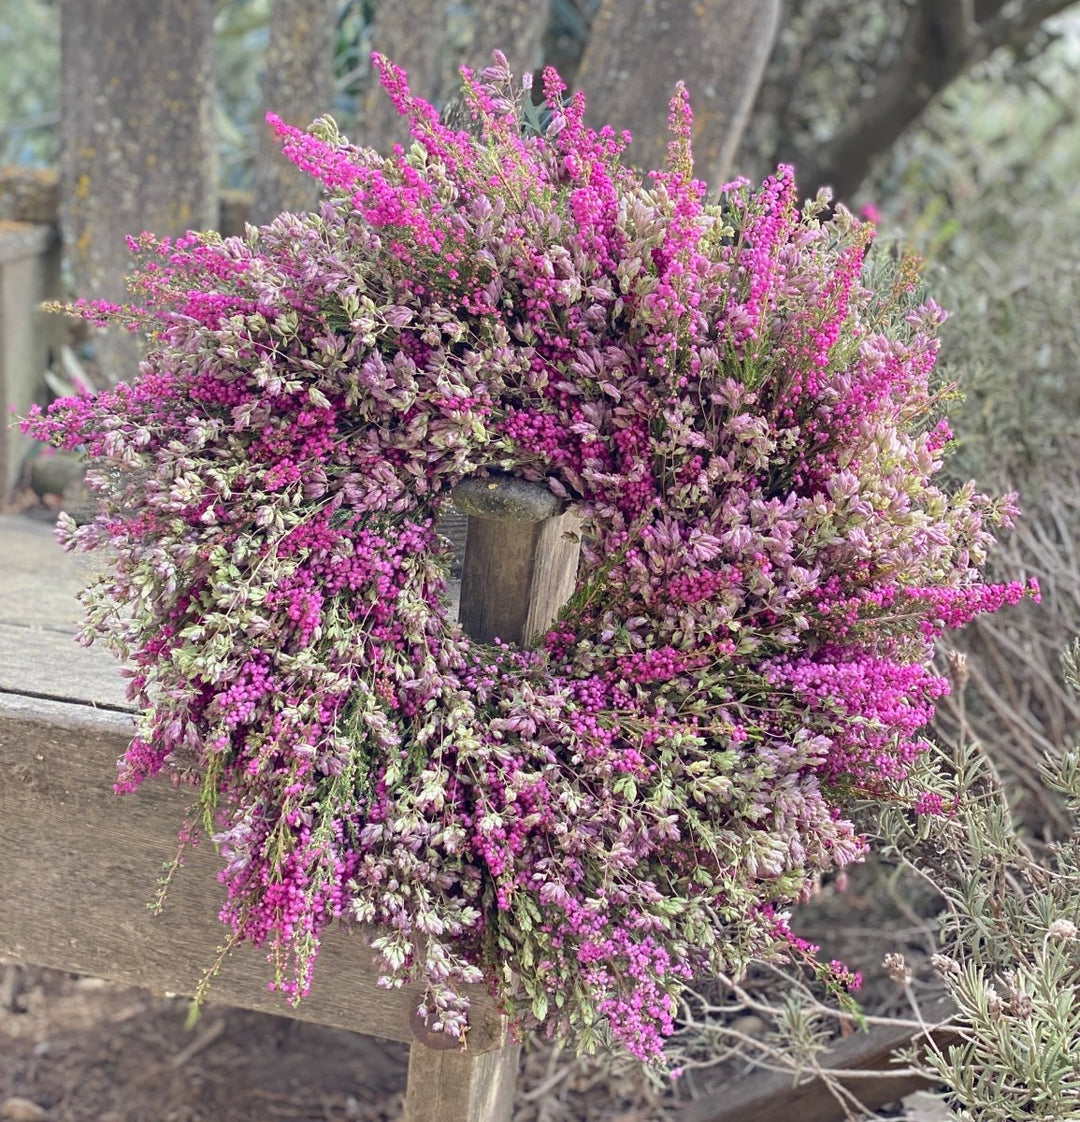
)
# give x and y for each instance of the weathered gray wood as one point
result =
(80, 866)
(39, 582)
(502, 552)
(554, 573)
(521, 558)
(29, 274)
(506, 498)
(42, 662)
(461, 1086)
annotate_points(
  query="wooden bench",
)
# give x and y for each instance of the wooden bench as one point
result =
(80, 865)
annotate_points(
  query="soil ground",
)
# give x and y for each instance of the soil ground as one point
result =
(76, 1049)
(83, 1050)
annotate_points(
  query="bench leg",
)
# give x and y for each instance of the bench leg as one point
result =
(460, 1087)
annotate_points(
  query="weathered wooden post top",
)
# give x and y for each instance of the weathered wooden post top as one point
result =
(80, 864)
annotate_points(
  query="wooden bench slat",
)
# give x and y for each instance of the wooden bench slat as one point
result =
(80, 866)
(47, 663)
(81, 862)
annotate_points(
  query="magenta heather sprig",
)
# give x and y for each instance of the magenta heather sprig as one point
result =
(744, 413)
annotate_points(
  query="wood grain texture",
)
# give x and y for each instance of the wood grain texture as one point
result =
(456, 1087)
(516, 576)
(554, 573)
(80, 866)
(42, 662)
(496, 577)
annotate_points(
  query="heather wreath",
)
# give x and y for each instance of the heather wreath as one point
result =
(741, 405)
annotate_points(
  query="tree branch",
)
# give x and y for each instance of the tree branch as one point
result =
(987, 9)
(951, 23)
(863, 1064)
(1014, 30)
(942, 41)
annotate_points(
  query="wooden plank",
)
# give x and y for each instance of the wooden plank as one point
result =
(80, 866)
(770, 1096)
(554, 575)
(40, 581)
(43, 662)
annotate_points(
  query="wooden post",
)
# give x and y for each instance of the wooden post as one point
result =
(520, 568)
(29, 274)
(520, 563)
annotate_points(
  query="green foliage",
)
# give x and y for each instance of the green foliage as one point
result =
(29, 85)
(982, 186)
(30, 78)
(242, 34)
(1009, 949)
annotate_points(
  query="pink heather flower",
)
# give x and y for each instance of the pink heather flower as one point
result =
(930, 803)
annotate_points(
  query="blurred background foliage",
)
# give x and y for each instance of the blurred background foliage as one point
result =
(29, 82)
(30, 86)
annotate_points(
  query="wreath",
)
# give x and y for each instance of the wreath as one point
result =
(741, 405)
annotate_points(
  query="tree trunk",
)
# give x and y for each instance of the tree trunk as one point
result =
(638, 52)
(431, 46)
(943, 40)
(298, 86)
(138, 139)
